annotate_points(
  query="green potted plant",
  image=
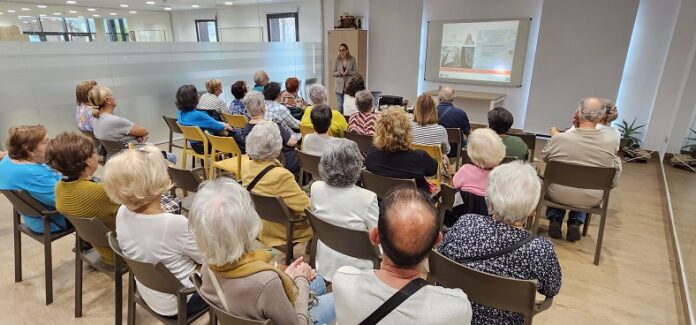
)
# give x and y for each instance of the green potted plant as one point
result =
(687, 158)
(690, 149)
(630, 143)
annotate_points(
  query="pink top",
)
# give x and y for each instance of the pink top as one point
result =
(471, 179)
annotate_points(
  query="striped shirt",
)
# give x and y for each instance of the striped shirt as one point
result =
(210, 102)
(430, 134)
(362, 123)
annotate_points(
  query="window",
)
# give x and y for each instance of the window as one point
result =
(58, 29)
(117, 30)
(206, 30)
(283, 27)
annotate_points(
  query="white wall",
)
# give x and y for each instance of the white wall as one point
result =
(516, 100)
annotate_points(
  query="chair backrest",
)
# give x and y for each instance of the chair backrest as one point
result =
(529, 139)
(364, 141)
(304, 130)
(223, 317)
(112, 147)
(272, 208)
(235, 121)
(484, 288)
(447, 193)
(582, 177)
(454, 135)
(475, 126)
(187, 179)
(435, 152)
(309, 163)
(155, 276)
(193, 133)
(354, 243)
(224, 144)
(172, 124)
(24, 203)
(91, 230)
(508, 159)
(381, 185)
(465, 157)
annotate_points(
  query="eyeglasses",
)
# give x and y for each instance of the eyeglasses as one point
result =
(342, 50)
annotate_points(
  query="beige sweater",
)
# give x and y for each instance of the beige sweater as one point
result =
(260, 296)
(586, 147)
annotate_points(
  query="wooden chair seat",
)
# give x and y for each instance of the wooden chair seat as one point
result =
(233, 165)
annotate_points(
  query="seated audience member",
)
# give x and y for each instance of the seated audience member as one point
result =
(314, 143)
(170, 203)
(3, 154)
(210, 102)
(79, 194)
(486, 151)
(241, 280)
(24, 169)
(391, 155)
(263, 147)
(254, 103)
(83, 112)
(290, 97)
(477, 240)
(186, 102)
(500, 120)
(276, 112)
(108, 126)
(363, 121)
(319, 95)
(337, 200)
(260, 80)
(583, 145)
(407, 229)
(239, 90)
(146, 233)
(452, 117)
(611, 113)
(425, 128)
(355, 84)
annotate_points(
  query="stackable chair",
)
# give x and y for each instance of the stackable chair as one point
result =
(173, 128)
(226, 146)
(194, 133)
(273, 209)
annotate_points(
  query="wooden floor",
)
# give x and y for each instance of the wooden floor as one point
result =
(634, 283)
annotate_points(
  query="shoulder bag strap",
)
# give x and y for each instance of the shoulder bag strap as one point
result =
(394, 301)
(218, 289)
(259, 177)
(501, 252)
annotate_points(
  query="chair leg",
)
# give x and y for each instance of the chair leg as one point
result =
(78, 278)
(118, 290)
(131, 298)
(17, 247)
(587, 224)
(213, 317)
(537, 216)
(288, 243)
(171, 140)
(48, 262)
(313, 252)
(598, 249)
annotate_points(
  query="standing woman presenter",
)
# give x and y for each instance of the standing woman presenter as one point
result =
(344, 67)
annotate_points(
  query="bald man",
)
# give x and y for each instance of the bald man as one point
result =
(407, 230)
(582, 145)
(450, 116)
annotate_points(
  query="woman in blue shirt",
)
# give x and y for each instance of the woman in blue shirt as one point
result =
(186, 102)
(24, 169)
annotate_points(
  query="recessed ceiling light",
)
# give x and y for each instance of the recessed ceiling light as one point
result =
(81, 17)
(95, 15)
(228, 3)
(168, 8)
(112, 13)
(133, 12)
(11, 11)
(57, 13)
(25, 9)
(72, 11)
(42, 15)
(91, 9)
(150, 2)
(2, 13)
(124, 6)
(41, 6)
(71, 2)
(194, 6)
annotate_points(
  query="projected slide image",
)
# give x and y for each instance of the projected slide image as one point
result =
(457, 57)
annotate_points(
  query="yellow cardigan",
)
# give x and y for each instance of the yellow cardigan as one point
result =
(279, 182)
(339, 125)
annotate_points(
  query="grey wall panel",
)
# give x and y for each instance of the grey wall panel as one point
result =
(38, 80)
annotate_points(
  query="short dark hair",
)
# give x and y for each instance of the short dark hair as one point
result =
(187, 98)
(500, 120)
(68, 153)
(321, 116)
(406, 249)
(271, 91)
(355, 84)
(238, 89)
(292, 84)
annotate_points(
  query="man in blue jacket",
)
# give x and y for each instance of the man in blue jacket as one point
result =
(450, 116)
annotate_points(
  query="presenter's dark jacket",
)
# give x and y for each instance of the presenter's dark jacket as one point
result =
(402, 164)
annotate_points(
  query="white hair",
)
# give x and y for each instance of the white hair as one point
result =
(254, 103)
(223, 220)
(513, 190)
(260, 76)
(485, 149)
(341, 162)
(591, 109)
(135, 178)
(264, 141)
(445, 94)
(318, 94)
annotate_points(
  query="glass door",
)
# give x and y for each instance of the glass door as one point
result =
(206, 30)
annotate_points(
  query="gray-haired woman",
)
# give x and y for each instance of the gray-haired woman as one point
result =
(339, 201)
(477, 241)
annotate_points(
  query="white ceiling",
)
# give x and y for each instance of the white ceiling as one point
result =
(137, 5)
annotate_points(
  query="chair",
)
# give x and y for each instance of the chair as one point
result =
(435, 152)
(96, 142)
(364, 141)
(354, 243)
(219, 315)
(447, 194)
(157, 277)
(580, 177)
(226, 145)
(487, 289)
(454, 136)
(188, 181)
(304, 130)
(530, 140)
(508, 159)
(235, 121)
(173, 128)
(194, 133)
(25, 204)
(475, 126)
(467, 160)
(382, 185)
(112, 148)
(273, 209)
(308, 164)
(93, 231)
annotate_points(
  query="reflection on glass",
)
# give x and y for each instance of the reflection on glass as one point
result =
(117, 30)
(76, 25)
(55, 38)
(53, 24)
(283, 27)
(207, 30)
(34, 38)
(76, 38)
(151, 36)
(29, 24)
